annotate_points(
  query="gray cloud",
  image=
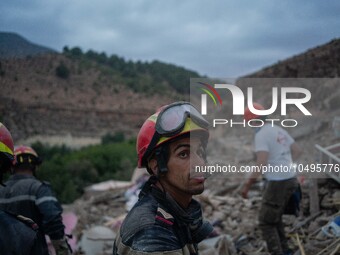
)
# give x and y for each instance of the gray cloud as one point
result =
(216, 38)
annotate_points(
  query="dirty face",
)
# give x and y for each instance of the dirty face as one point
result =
(180, 180)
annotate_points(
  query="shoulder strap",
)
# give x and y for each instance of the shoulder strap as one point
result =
(27, 221)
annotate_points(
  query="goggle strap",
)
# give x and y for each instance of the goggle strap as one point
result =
(151, 146)
(162, 158)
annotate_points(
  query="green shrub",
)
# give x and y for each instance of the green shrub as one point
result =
(115, 138)
(70, 171)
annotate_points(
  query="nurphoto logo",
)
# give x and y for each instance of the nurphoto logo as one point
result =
(282, 96)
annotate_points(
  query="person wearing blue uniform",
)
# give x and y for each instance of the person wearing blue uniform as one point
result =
(18, 234)
(25, 195)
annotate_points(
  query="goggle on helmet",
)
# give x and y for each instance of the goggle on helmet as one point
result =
(168, 123)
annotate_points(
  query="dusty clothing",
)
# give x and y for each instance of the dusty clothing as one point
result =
(275, 198)
(277, 142)
(27, 196)
(16, 236)
(158, 225)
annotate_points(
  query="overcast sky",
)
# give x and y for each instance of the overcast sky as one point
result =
(216, 38)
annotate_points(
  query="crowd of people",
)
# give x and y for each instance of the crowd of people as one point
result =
(166, 218)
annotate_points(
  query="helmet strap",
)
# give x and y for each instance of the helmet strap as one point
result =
(147, 186)
(1, 179)
(161, 155)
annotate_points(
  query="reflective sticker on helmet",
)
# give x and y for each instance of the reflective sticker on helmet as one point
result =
(4, 148)
(190, 126)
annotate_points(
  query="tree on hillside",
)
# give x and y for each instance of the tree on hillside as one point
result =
(62, 71)
(141, 77)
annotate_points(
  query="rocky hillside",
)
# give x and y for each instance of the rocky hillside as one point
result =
(76, 98)
(89, 104)
(320, 62)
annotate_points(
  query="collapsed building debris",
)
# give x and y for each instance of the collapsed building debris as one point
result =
(100, 215)
(101, 211)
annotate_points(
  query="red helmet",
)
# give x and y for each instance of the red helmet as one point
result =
(248, 115)
(6, 143)
(26, 155)
(147, 133)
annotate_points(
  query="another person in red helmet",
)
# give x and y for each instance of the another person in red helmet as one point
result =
(166, 219)
(274, 147)
(25, 195)
(17, 234)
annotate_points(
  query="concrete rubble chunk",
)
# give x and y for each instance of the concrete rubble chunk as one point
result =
(97, 240)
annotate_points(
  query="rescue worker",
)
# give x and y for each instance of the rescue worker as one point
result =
(274, 147)
(24, 194)
(166, 219)
(17, 234)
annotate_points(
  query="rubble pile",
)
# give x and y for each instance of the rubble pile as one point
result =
(234, 219)
(102, 209)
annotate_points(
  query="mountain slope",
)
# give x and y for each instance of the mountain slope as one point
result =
(63, 97)
(89, 103)
(87, 95)
(320, 62)
(15, 46)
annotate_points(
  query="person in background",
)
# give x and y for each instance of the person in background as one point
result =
(166, 219)
(25, 195)
(18, 234)
(274, 147)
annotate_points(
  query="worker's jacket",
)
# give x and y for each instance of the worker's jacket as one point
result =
(17, 235)
(27, 196)
(158, 225)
